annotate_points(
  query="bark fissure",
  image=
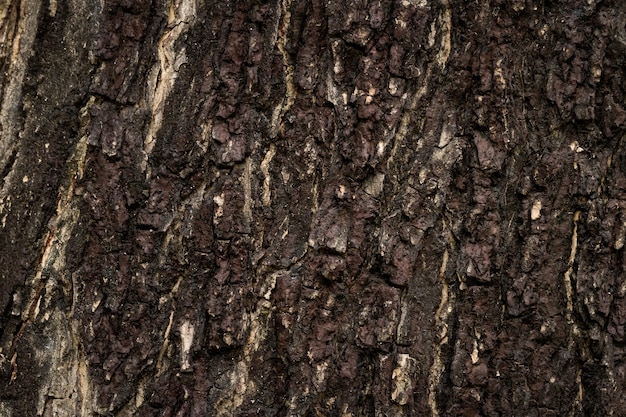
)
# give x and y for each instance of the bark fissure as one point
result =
(181, 15)
(282, 31)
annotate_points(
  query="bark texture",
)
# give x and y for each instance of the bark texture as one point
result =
(312, 208)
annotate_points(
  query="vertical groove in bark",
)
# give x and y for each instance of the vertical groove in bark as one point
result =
(574, 331)
(181, 15)
(282, 30)
(446, 30)
(438, 368)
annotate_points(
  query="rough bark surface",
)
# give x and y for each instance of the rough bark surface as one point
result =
(312, 208)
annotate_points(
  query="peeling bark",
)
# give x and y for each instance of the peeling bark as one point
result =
(351, 208)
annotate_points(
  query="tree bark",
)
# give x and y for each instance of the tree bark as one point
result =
(312, 208)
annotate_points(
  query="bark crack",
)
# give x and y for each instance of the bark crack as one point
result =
(446, 25)
(182, 14)
(442, 316)
(574, 331)
(567, 278)
(281, 42)
(265, 168)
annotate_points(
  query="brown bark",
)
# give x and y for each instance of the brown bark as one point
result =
(304, 207)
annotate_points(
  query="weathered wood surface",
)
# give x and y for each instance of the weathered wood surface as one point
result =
(304, 207)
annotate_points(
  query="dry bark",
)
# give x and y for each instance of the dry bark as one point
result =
(305, 207)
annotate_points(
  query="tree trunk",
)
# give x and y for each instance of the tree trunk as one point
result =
(312, 208)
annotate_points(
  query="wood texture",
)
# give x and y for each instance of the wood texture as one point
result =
(312, 208)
